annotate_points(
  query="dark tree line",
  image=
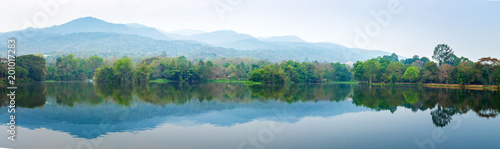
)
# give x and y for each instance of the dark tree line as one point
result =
(28, 68)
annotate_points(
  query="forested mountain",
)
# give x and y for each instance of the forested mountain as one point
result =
(89, 36)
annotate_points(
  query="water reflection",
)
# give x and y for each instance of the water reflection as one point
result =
(81, 109)
(444, 103)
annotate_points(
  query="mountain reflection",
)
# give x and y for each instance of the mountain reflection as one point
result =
(75, 107)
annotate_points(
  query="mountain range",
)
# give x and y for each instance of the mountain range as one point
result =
(91, 36)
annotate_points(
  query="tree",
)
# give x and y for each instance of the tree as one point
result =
(488, 64)
(371, 69)
(92, 64)
(123, 69)
(142, 72)
(270, 74)
(418, 63)
(430, 73)
(411, 74)
(459, 60)
(396, 69)
(465, 72)
(393, 57)
(341, 73)
(496, 75)
(394, 79)
(35, 65)
(443, 54)
(425, 60)
(105, 74)
(359, 71)
(445, 72)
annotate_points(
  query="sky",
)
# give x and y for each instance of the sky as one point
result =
(406, 27)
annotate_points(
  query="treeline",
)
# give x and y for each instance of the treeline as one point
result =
(449, 69)
(28, 68)
(180, 69)
(69, 68)
(305, 72)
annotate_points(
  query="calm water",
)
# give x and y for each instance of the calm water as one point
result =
(219, 116)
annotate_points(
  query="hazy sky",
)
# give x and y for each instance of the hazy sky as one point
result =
(470, 27)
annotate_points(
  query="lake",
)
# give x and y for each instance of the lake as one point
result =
(71, 115)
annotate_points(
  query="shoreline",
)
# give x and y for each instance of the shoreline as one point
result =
(440, 85)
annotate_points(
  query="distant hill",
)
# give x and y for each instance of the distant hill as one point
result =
(185, 32)
(283, 39)
(220, 37)
(90, 36)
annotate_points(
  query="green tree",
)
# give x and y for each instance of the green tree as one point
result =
(143, 72)
(430, 72)
(411, 74)
(105, 74)
(124, 70)
(270, 74)
(496, 75)
(396, 69)
(465, 72)
(444, 54)
(359, 72)
(394, 79)
(393, 57)
(35, 65)
(371, 70)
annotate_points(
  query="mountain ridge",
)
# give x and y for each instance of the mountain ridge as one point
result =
(88, 34)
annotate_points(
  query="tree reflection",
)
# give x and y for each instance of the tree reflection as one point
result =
(302, 92)
(445, 102)
(442, 116)
(70, 93)
(31, 95)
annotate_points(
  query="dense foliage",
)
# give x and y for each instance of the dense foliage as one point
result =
(29, 68)
(69, 68)
(451, 69)
(180, 69)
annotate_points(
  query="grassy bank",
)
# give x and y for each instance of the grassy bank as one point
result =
(234, 81)
(343, 82)
(398, 84)
(50, 81)
(159, 81)
(436, 85)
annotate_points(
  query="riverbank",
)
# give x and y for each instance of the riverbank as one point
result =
(458, 86)
(233, 81)
(439, 85)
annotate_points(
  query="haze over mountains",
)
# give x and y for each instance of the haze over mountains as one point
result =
(90, 36)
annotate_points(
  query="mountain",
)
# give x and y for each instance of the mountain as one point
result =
(90, 36)
(283, 39)
(90, 24)
(185, 32)
(220, 37)
(87, 24)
